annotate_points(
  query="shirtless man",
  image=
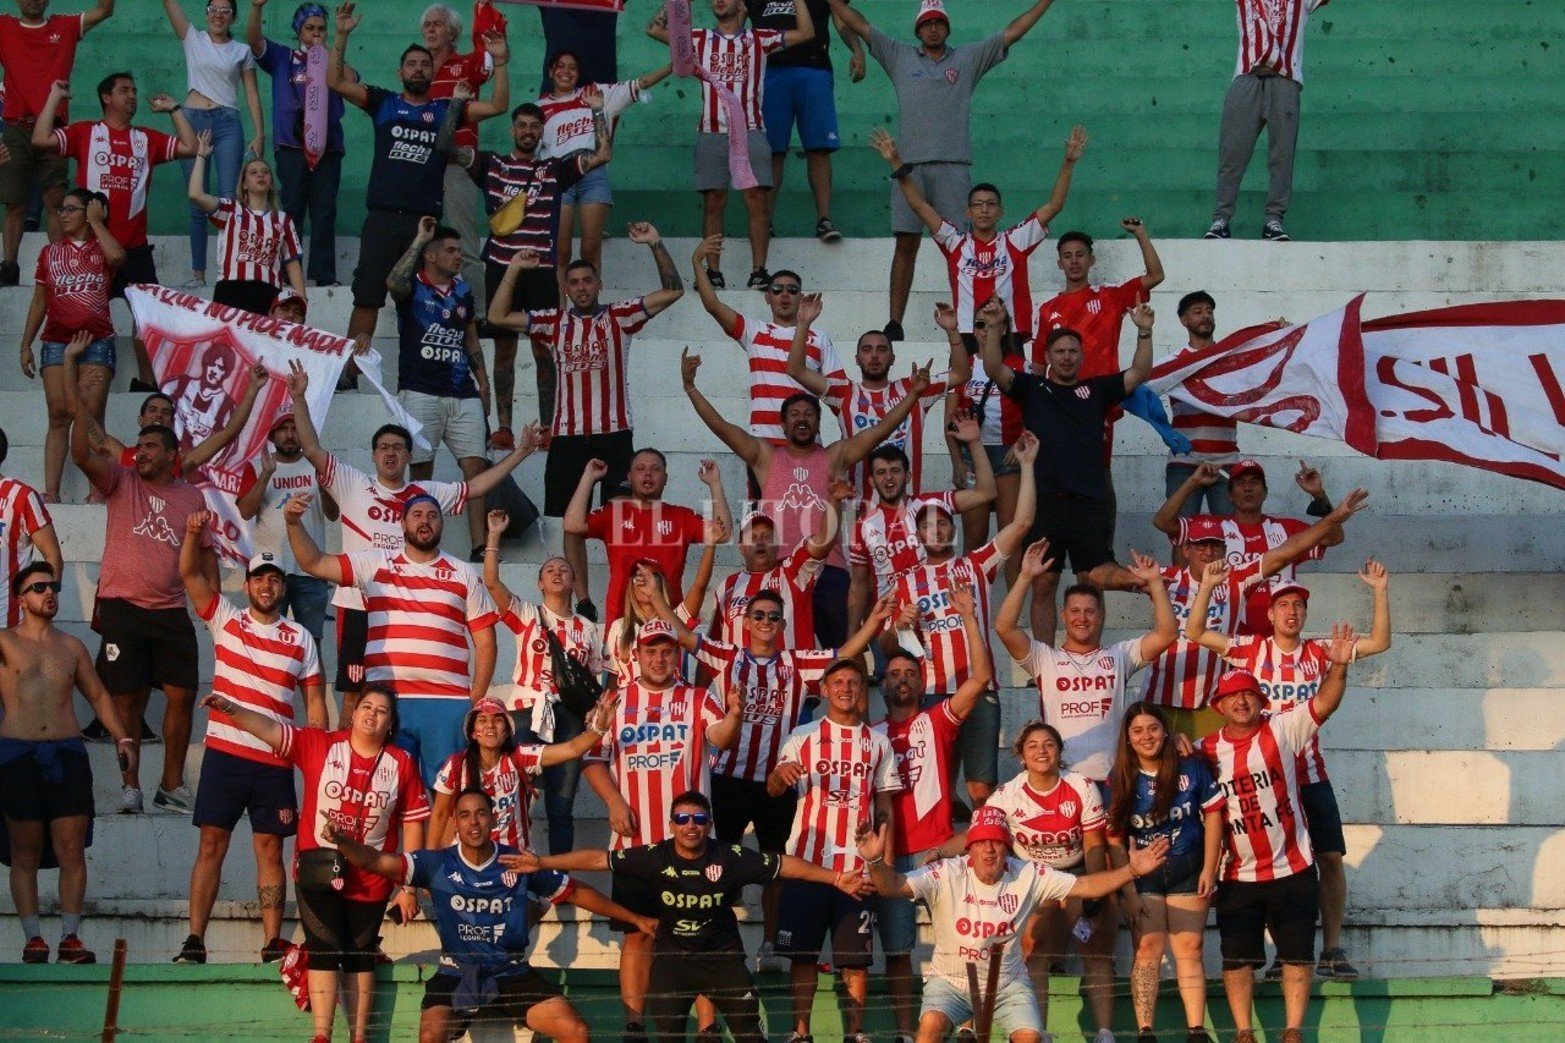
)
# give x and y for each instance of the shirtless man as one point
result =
(45, 779)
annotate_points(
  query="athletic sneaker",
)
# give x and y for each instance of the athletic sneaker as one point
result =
(179, 799)
(1272, 231)
(1291, 1036)
(275, 950)
(193, 951)
(1104, 1036)
(635, 1032)
(35, 951)
(760, 279)
(1197, 1035)
(827, 232)
(1334, 965)
(710, 1034)
(148, 736)
(1146, 1036)
(73, 951)
(1218, 230)
(965, 1034)
(857, 1037)
(799, 1037)
(767, 961)
(715, 277)
(893, 330)
(1244, 1036)
(130, 801)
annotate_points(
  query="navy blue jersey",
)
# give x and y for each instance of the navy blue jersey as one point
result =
(407, 172)
(1183, 827)
(481, 912)
(431, 330)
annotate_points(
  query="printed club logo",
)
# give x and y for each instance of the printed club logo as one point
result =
(1105, 662)
(1009, 904)
(285, 816)
(508, 878)
(1083, 392)
(713, 873)
(951, 76)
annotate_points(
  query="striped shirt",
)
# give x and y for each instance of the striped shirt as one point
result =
(885, 538)
(845, 767)
(1184, 676)
(948, 658)
(1271, 35)
(1287, 679)
(1000, 416)
(419, 617)
(1051, 827)
(372, 514)
(1265, 834)
(509, 785)
(738, 63)
(534, 674)
(119, 164)
(76, 277)
(259, 666)
(980, 270)
(768, 345)
(1245, 543)
(793, 580)
(1213, 439)
(504, 177)
(22, 513)
(771, 694)
(656, 750)
(254, 244)
(591, 353)
(859, 408)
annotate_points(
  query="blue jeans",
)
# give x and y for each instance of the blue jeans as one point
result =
(312, 193)
(1216, 494)
(559, 781)
(305, 598)
(228, 147)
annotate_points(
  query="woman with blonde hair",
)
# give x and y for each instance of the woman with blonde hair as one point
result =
(620, 643)
(257, 244)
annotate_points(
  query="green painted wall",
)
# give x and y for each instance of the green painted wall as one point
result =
(1439, 119)
(215, 1002)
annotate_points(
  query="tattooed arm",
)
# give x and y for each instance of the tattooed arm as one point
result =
(400, 281)
(672, 286)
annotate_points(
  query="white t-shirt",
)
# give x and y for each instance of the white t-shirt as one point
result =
(212, 69)
(1083, 695)
(969, 915)
(268, 531)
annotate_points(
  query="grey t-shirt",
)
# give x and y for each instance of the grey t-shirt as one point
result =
(935, 98)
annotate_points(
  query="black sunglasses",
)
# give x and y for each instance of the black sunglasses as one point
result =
(685, 818)
(43, 585)
(771, 617)
(786, 287)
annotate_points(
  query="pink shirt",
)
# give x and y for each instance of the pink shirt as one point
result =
(794, 496)
(142, 536)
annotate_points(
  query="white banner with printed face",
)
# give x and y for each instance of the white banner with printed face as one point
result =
(202, 355)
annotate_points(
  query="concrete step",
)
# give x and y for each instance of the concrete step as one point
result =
(1417, 719)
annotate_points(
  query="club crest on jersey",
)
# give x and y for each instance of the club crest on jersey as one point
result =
(1184, 781)
(1068, 808)
(508, 878)
(1009, 904)
(1105, 662)
(665, 528)
(1094, 306)
(713, 873)
(951, 76)
(1083, 392)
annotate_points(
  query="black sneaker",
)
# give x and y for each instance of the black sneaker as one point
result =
(96, 732)
(1273, 232)
(1334, 965)
(1197, 1034)
(1146, 1036)
(1274, 972)
(148, 736)
(760, 279)
(715, 277)
(274, 950)
(893, 331)
(635, 1032)
(1218, 230)
(827, 232)
(193, 951)
(10, 273)
(138, 385)
(587, 609)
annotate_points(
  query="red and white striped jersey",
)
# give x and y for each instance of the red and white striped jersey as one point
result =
(1287, 679)
(509, 785)
(980, 270)
(948, 658)
(885, 539)
(474, 69)
(22, 513)
(1247, 542)
(259, 666)
(254, 244)
(1095, 312)
(1271, 34)
(1050, 827)
(119, 164)
(845, 767)
(372, 514)
(771, 691)
(859, 408)
(534, 674)
(736, 62)
(1184, 676)
(1000, 414)
(793, 580)
(1083, 695)
(419, 619)
(76, 276)
(767, 344)
(656, 751)
(1265, 833)
(922, 747)
(591, 353)
(1213, 439)
(567, 120)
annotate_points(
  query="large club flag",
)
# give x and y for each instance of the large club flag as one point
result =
(616, 6)
(1479, 385)
(202, 353)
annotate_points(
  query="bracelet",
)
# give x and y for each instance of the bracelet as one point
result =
(901, 172)
(124, 741)
(1140, 334)
(176, 108)
(491, 550)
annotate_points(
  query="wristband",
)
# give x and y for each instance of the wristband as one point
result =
(125, 741)
(901, 172)
(1143, 333)
(176, 108)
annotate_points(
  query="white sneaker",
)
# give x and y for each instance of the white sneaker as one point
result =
(130, 801)
(1104, 1036)
(767, 960)
(180, 799)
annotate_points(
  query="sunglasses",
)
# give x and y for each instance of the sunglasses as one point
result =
(65, 209)
(685, 818)
(786, 287)
(41, 586)
(219, 9)
(770, 617)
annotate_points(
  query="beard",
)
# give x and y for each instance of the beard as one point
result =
(418, 542)
(417, 88)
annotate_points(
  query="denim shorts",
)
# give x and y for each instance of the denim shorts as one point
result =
(1015, 1009)
(896, 919)
(592, 188)
(997, 460)
(1177, 876)
(99, 353)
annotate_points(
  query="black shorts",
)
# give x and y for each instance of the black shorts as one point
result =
(635, 895)
(1076, 527)
(339, 933)
(519, 993)
(252, 295)
(138, 267)
(536, 289)
(383, 240)
(567, 460)
(353, 629)
(813, 911)
(1287, 908)
(679, 977)
(739, 803)
(232, 787)
(145, 647)
(27, 796)
(1325, 820)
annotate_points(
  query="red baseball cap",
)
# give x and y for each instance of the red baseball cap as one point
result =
(654, 630)
(988, 824)
(1290, 588)
(1200, 529)
(284, 415)
(1234, 682)
(930, 10)
(489, 705)
(1244, 467)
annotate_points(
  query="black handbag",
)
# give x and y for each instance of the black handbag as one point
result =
(323, 867)
(579, 691)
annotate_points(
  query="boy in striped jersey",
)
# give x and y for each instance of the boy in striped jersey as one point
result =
(260, 660)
